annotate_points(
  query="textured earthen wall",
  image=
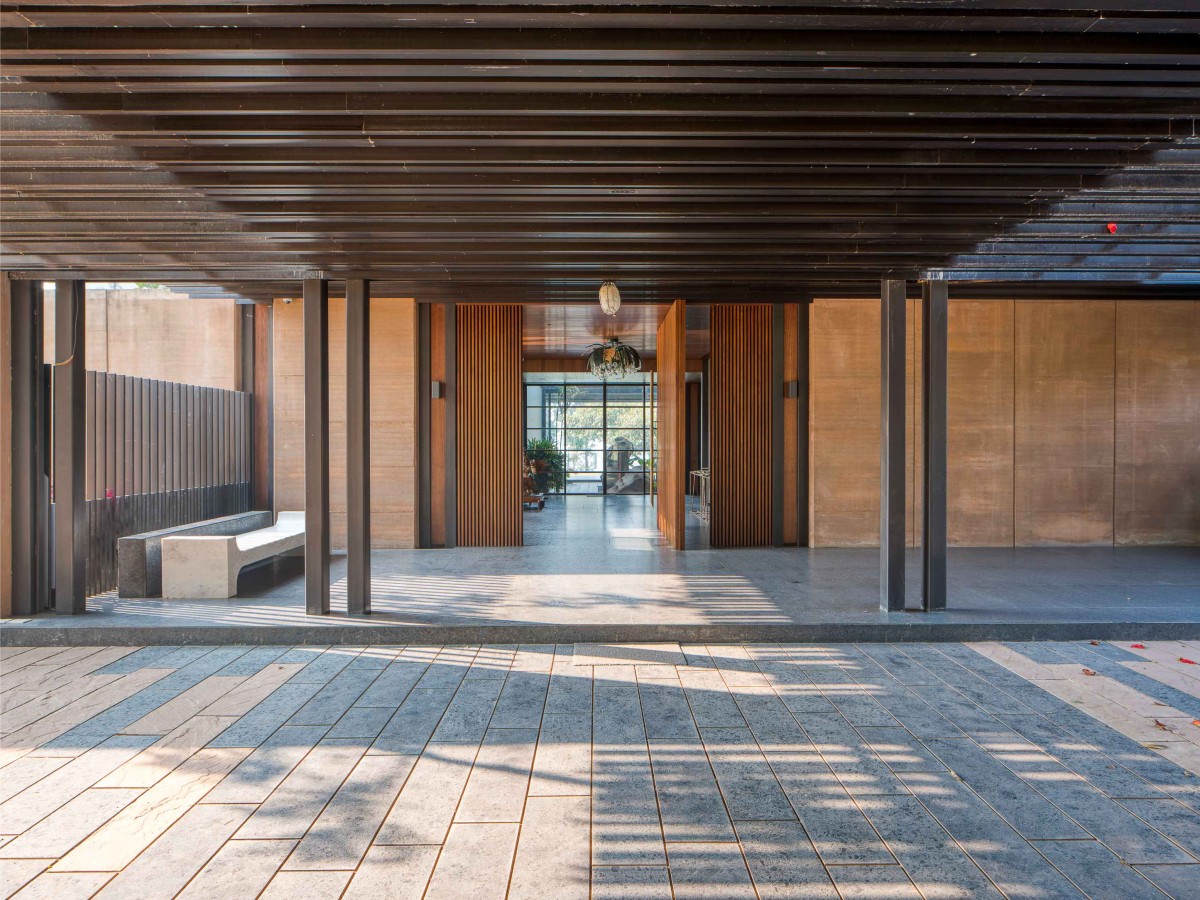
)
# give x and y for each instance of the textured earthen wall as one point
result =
(393, 417)
(1070, 422)
(155, 333)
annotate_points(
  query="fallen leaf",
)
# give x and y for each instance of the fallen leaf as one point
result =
(1094, 643)
(1155, 746)
(1184, 659)
(1158, 724)
(1196, 722)
(1088, 672)
(1138, 646)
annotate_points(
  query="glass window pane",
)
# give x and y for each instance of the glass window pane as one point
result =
(584, 394)
(627, 439)
(625, 417)
(584, 483)
(583, 461)
(583, 439)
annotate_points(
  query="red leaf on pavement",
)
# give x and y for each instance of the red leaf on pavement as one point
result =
(1094, 643)
(1138, 646)
(1196, 722)
(1184, 659)
(1088, 672)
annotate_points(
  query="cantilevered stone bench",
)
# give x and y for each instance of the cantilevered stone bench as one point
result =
(204, 566)
(139, 556)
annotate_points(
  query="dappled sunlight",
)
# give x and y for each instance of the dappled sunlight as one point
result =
(694, 760)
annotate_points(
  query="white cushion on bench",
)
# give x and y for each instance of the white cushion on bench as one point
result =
(207, 566)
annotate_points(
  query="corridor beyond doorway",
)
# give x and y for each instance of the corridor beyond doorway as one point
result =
(588, 528)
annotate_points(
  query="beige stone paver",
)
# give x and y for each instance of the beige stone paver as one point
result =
(758, 771)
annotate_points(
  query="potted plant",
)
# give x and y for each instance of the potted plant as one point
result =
(547, 465)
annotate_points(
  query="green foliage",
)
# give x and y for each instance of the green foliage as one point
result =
(548, 464)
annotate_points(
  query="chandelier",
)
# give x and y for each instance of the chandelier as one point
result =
(613, 359)
(610, 298)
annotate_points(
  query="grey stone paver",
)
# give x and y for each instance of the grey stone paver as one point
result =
(930, 855)
(873, 883)
(833, 821)
(240, 868)
(744, 776)
(690, 803)
(342, 833)
(631, 883)
(783, 863)
(709, 872)
(398, 873)
(1098, 872)
(499, 781)
(475, 862)
(759, 771)
(552, 853)
(1177, 881)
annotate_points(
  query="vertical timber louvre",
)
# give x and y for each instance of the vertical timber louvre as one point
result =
(742, 403)
(488, 434)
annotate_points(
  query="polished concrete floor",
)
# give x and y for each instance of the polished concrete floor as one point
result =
(693, 772)
(601, 564)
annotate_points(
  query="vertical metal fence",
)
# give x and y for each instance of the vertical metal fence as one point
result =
(159, 454)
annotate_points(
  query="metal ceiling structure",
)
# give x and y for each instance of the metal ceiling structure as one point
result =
(529, 151)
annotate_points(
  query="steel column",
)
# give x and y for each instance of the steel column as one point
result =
(316, 446)
(70, 454)
(777, 397)
(934, 344)
(891, 448)
(358, 447)
(29, 511)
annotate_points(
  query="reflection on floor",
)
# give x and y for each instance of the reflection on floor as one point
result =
(591, 561)
(796, 772)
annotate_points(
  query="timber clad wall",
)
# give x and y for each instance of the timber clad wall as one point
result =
(740, 436)
(1070, 422)
(489, 421)
(671, 348)
(393, 417)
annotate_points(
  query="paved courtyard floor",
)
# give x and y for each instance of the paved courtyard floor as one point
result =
(556, 772)
(597, 569)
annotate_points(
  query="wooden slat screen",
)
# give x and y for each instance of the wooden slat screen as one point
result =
(672, 430)
(740, 436)
(489, 412)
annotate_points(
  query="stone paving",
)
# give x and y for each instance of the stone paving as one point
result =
(720, 771)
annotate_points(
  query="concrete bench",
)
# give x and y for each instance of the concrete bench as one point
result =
(204, 566)
(139, 556)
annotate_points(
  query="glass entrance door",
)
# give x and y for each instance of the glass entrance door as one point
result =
(603, 430)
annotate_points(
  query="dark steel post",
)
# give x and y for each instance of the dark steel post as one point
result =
(891, 448)
(358, 447)
(934, 349)
(28, 450)
(777, 388)
(70, 456)
(316, 446)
